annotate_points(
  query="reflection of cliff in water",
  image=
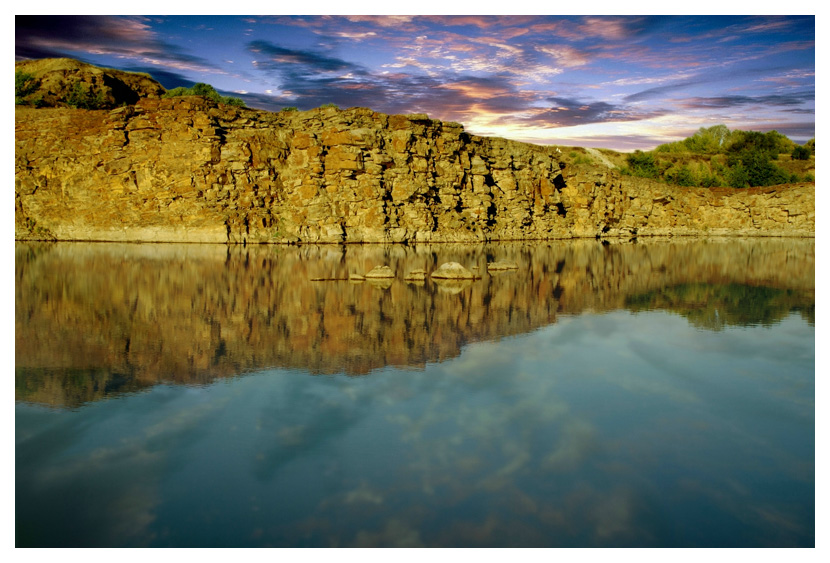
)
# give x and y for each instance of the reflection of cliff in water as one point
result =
(97, 319)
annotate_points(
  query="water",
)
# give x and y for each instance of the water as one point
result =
(650, 394)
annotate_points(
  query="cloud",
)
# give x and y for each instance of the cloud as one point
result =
(567, 112)
(659, 91)
(123, 37)
(298, 62)
(482, 102)
(721, 102)
(565, 55)
(315, 78)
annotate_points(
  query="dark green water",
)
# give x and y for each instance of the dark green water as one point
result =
(633, 395)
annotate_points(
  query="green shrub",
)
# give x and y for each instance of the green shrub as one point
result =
(642, 164)
(710, 180)
(329, 105)
(682, 176)
(801, 153)
(737, 177)
(760, 170)
(289, 109)
(179, 91)
(24, 84)
(82, 97)
(206, 91)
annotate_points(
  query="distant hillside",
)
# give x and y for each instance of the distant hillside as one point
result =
(71, 83)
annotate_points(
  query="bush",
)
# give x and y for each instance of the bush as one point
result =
(710, 180)
(760, 170)
(206, 91)
(289, 109)
(82, 97)
(802, 153)
(737, 177)
(682, 176)
(642, 164)
(772, 143)
(24, 84)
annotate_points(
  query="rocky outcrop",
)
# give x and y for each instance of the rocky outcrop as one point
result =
(452, 271)
(189, 170)
(55, 79)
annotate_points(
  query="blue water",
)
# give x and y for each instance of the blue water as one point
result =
(606, 428)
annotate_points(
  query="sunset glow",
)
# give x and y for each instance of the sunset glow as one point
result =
(621, 82)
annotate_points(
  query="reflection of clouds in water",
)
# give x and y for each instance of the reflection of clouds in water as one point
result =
(394, 534)
(576, 442)
(118, 480)
(108, 490)
(783, 523)
(363, 493)
(297, 417)
(571, 435)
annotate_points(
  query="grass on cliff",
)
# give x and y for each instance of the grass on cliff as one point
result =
(716, 156)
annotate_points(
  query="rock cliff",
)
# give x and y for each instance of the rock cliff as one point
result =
(188, 170)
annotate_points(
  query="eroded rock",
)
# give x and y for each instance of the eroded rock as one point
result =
(452, 271)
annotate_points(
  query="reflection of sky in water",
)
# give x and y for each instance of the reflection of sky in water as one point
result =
(614, 429)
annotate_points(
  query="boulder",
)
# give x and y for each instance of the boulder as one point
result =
(453, 271)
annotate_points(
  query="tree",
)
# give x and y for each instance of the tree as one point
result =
(760, 171)
(802, 153)
(708, 140)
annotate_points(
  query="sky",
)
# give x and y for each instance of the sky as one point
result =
(621, 82)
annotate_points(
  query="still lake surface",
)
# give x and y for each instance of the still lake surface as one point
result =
(652, 394)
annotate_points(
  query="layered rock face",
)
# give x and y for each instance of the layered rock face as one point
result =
(188, 170)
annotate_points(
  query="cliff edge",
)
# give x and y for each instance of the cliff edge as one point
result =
(188, 169)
